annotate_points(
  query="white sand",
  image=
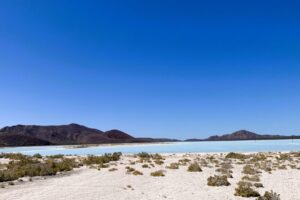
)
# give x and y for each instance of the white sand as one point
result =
(91, 184)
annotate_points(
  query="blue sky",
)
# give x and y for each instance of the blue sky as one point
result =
(177, 69)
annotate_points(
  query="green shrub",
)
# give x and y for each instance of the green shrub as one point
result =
(112, 169)
(184, 161)
(217, 181)
(136, 172)
(130, 169)
(194, 167)
(144, 155)
(37, 155)
(225, 171)
(157, 157)
(269, 196)
(244, 190)
(258, 185)
(254, 178)
(22, 165)
(239, 156)
(57, 156)
(248, 169)
(173, 166)
(158, 173)
(284, 156)
(159, 162)
(145, 166)
(106, 158)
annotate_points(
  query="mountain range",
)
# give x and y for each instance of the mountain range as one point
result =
(29, 135)
(71, 134)
(244, 135)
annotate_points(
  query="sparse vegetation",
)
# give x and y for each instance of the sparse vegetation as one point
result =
(173, 166)
(112, 169)
(254, 178)
(269, 196)
(130, 169)
(106, 158)
(22, 165)
(145, 166)
(194, 167)
(136, 173)
(248, 169)
(258, 185)
(158, 173)
(239, 156)
(218, 181)
(225, 171)
(133, 171)
(184, 161)
(244, 189)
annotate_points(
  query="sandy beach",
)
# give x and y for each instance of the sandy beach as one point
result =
(116, 182)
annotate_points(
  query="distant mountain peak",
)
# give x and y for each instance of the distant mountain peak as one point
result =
(115, 133)
(237, 135)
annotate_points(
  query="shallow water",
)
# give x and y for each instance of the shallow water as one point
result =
(178, 147)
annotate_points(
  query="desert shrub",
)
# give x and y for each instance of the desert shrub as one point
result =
(217, 181)
(157, 157)
(14, 156)
(194, 167)
(258, 185)
(103, 165)
(239, 156)
(136, 172)
(258, 157)
(184, 161)
(132, 162)
(57, 156)
(144, 155)
(282, 167)
(11, 183)
(37, 155)
(159, 162)
(284, 156)
(265, 165)
(173, 166)
(223, 170)
(112, 169)
(130, 169)
(145, 166)
(269, 196)
(30, 166)
(295, 154)
(211, 158)
(254, 178)
(158, 173)
(244, 190)
(203, 162)
(226, 164)
(292, 166)
(106, 158)
(248, 169)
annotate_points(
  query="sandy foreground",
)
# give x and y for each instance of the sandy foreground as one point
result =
(177, 184)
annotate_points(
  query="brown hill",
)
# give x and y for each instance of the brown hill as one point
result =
(59, 135)
(29, 135)
(244, 135)
(20, 140)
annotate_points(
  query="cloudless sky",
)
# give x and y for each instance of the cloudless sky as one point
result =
(177, 69)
